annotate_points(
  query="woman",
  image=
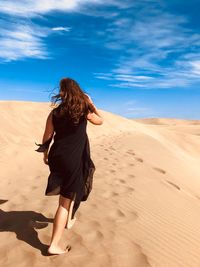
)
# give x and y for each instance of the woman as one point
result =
(71, 168)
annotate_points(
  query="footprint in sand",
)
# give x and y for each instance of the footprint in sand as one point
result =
(122, 181)
(112, 148)
(159, 170)
(93, 236)
(95, 233)
(130, 189)
(131, 176)
(119, 215)
(142, 258)
(24, 197)
(112, 171)
(130, 152)
(116, 213)
(109, 194)
(128, 252)
(94, 205)
(198, 197)
(77, 239)
(133, 215)
(139, 159)
(34, 187)
(174, 185)
(124, 190)
(94, 223)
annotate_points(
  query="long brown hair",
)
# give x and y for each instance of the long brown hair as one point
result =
(74, 101)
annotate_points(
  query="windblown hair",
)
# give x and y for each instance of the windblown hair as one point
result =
(74, 101)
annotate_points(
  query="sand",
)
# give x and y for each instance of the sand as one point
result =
(144, 208)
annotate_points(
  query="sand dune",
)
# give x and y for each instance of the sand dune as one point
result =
(144, 209)
(167, 121)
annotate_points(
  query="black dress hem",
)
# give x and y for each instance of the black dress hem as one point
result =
(54, 183)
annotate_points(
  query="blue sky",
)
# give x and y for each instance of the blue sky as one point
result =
(136, 58)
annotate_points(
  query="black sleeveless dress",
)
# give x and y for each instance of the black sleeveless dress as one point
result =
(71, 167)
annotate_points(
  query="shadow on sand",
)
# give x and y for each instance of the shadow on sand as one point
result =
(23, 224)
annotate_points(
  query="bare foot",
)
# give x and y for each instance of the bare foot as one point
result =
(70, 223)
(55, 250)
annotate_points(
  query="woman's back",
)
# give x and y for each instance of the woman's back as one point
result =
(64, 127)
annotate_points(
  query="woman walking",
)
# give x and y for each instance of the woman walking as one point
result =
(71, 167)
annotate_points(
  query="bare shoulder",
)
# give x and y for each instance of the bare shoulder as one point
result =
(50, 116)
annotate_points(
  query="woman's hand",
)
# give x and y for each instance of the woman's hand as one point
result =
(45, 159)
(47, 136)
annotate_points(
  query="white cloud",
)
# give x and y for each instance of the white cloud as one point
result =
(157, 49)
(128, 85)
(131, 109)
(29, 8)
(156, 45)
(137, 110)
(129, 78)
(65, 29)
(26, 8)
(196, 67)
(19, 40)
(125, 79)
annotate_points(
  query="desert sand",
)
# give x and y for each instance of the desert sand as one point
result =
(143, 210)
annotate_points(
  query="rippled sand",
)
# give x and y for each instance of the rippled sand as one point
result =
(144, 208)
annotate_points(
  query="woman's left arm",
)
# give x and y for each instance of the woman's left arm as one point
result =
(49, 131)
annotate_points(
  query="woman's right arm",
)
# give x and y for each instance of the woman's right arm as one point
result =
(94, 117)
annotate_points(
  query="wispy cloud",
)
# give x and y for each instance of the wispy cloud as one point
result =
(62, 29)
(131, 109)
(35, 7)
(19, 40)
(157, 45)
(151, 48)
(137, 111)
(195, 67)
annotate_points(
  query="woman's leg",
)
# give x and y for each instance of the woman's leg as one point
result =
(70, 222)
(59, 225)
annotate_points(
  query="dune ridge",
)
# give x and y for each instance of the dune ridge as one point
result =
(143, 210)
